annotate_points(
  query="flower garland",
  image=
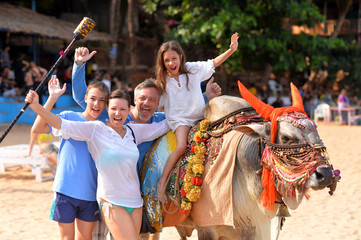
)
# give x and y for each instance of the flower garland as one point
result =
(191, 190)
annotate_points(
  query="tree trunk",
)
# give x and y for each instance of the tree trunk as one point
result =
(131, 40)
(114, 31)
(267, 71)
(343, 6)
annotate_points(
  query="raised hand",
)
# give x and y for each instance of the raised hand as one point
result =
(234, 42)
(212, 90)
(82, 55)
(54, 87)
(32, 98)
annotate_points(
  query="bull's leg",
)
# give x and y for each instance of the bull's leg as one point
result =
(184, 231)
(144, 236)
(155, 236)
(148, 236)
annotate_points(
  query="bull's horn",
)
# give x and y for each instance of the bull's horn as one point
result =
(296, 98)
(263, 109)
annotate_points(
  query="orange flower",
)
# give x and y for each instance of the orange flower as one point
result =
(186, 212)
(196, 181)
(197, 137)
(192, 148)
(183, 193)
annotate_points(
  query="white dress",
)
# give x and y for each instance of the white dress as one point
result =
(184, 106)
(115, 157)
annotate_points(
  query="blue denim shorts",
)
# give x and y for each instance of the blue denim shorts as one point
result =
(65, 209)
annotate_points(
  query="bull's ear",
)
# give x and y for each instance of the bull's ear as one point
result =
(255, 130)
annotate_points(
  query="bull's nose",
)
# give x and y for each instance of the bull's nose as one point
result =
(324, 175)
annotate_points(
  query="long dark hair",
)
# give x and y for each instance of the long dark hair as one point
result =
(160, 69)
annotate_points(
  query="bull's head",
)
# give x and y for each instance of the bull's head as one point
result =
(291, 132)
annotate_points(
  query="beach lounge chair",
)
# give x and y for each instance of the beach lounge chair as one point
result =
(16, 155)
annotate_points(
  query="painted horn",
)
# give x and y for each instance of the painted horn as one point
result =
(296, 98)
(263, 109)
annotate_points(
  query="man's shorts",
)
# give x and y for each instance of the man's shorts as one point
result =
(65, 209)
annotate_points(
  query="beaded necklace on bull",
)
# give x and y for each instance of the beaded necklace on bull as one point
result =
(287, 166)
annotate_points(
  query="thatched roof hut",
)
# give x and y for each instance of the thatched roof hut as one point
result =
(23, 20)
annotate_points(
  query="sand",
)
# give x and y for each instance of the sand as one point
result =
(25, 203)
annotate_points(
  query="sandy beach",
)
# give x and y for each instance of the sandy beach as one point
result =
(25, 203)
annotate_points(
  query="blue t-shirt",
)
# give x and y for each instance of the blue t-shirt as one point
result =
(76, 174)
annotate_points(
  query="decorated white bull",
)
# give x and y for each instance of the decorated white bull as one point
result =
(277, 157)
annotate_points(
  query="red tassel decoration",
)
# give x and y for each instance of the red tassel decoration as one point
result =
(269, 193)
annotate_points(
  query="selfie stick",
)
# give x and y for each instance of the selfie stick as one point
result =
(82, 30)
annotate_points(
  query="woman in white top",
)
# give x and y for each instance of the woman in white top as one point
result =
(182, 96)
(113, 148)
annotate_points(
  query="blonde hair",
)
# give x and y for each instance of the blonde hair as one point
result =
(160, 69)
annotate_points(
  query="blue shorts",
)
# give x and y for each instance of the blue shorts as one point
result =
(65, 209)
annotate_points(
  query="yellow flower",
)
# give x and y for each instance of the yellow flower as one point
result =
(189, 168)
(203, 126)
(198, 168)
(187, 177)
(194, 194)
(187, 186)
(198, 159)
(200, 149)
(190, 159)
(186, 205)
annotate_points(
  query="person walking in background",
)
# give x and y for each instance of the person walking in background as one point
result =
(5, 57)
(129, 88)
(38, 73)
(107, 80)
(181, 98)
(343, 102)
(20, 66)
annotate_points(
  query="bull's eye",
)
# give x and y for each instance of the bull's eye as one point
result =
(285, 139)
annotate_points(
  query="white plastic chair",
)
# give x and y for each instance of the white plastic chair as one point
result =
(322, 111)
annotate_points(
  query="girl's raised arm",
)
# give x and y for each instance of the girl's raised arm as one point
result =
(49, 117)
(224, 56)
(55, 91)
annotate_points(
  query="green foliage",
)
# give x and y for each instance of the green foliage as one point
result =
(346, 58)
(262, 27)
